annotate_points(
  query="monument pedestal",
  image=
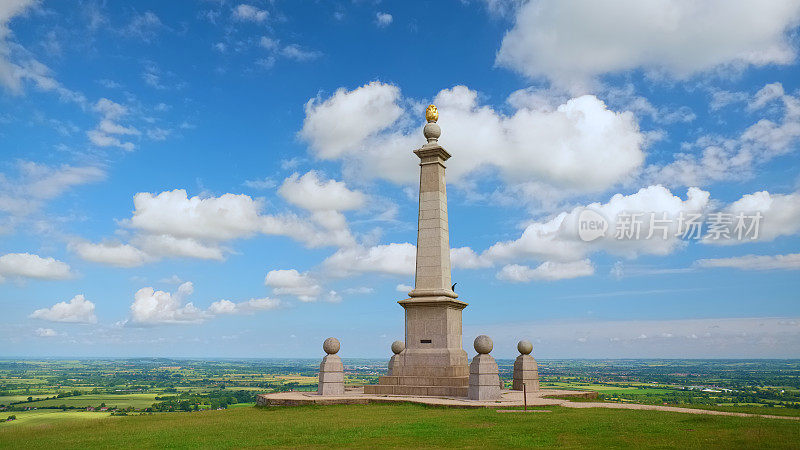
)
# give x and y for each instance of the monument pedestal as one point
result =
(433, 362)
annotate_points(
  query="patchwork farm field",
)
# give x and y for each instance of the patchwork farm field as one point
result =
(137, 401)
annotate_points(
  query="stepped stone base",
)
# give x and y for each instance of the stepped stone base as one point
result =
(424, 386)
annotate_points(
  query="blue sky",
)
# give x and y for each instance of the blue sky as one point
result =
(221, 178)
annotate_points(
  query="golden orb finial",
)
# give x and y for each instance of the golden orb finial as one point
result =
(432, 113)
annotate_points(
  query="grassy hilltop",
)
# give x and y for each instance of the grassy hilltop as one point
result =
(407, 426)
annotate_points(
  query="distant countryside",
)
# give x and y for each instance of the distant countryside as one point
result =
(48, 391)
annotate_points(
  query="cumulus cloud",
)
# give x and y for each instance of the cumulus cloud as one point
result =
(163, 245)
(291, 282)
(754, 262)
(172, 224)
(151, 307)
(111, 253)
(77, 310)
(557, 238)
(780, 216)
(335, 125)
(314, 194)
(548, 271)
(572, 42)
(228, 216)
(392, 259)
(26, 265)
(580, 145)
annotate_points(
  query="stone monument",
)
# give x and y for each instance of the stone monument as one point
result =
(331, 371)
(433, 361)
(484, 376)
(397, 348)
(525, 369)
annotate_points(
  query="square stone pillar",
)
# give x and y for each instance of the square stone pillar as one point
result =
(525, 371)
(331, 376)
(484, 378)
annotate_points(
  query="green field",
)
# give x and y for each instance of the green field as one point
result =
(408, 426)
(82, 401)
(48, 416)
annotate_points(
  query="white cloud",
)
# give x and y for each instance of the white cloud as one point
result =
(249, 13)
(173, 224)
(268, 43)
(78, 310)
(337, 125)
(716, 158)
(580, 145)
(111, 253)
(228, 216)
(291, 282)
(362, 290)
(312, 193)
(45, 332)
(557, 239)
(164, 245)
(466, 258)
(265, 183)
(754, 262)
(152, 307)
(392, 259)
(404, 288)
(548, 270)
(383, 19)
(106, 132)
(572, 42)
(222, 307)
(298, 53)
(780, 216)
(766, 94)
(144, 26)
(27, 193)
(26, 265)
(17, 65)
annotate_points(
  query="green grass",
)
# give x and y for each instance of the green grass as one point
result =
(119, 401)
(7, 399)
(47, 417)
(408, 426)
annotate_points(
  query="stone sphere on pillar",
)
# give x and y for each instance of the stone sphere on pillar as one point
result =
(483, 344)
(331, 346)
(398, 346)
(431, 131)
(525, 347)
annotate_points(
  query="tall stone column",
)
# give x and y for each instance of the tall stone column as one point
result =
(433, 313)
(433, 361)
